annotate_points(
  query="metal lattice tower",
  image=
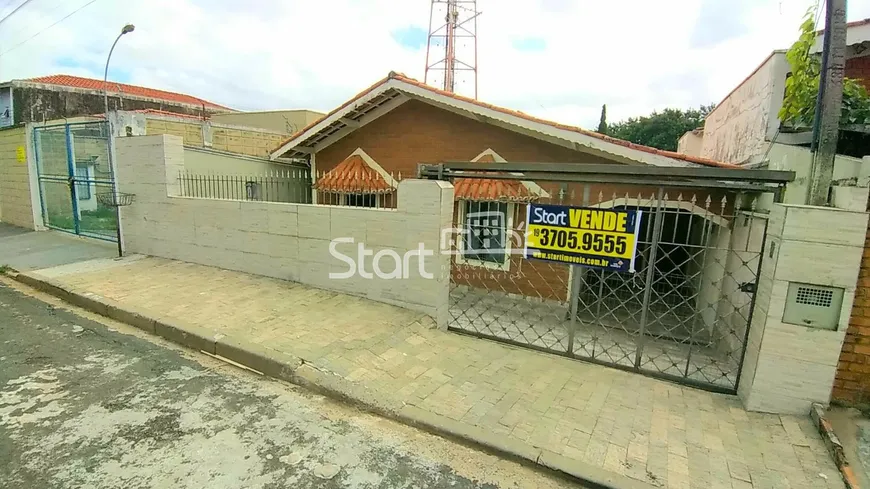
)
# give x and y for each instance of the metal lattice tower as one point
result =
(456, 38)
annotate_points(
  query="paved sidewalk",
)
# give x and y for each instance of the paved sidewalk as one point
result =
(632, 426)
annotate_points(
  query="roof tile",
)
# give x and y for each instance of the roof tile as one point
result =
(490, 189)
(93, 84)
(353, 176)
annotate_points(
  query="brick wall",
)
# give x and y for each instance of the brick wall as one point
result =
(859, 69)
(852, 383)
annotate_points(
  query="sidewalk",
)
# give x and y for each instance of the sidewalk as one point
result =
(606, 425)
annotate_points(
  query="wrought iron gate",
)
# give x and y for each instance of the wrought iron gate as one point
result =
(73, 168)
(683, 315)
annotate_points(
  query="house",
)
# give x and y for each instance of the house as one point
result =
(52, 97)
(743, 127)
(360, 150)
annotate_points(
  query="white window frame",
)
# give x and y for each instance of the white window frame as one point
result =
(460, 240)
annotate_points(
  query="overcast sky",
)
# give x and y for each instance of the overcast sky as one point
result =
(558, 59)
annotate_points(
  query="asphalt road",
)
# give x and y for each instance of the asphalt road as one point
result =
(87, 402)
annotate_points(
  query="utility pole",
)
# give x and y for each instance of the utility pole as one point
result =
(830, 102)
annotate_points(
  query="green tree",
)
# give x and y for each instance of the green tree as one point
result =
(802, 85)
(602, 123)
(660, 130)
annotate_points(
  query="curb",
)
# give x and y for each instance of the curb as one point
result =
(835, 448)
(297, 371)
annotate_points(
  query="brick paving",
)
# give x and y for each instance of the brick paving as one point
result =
(654, 431)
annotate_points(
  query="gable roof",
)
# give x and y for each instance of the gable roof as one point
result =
(357, 174)
(396, 88)
(493, 189)
(123, 88)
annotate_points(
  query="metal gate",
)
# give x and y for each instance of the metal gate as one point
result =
(683, 315)
(74, 169)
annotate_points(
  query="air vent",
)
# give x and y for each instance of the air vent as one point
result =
(813, 306)
(812, 296)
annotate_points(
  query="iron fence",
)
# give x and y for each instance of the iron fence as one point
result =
(683, 314)
(291, 185)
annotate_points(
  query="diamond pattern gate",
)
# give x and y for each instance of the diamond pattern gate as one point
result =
(684, 314)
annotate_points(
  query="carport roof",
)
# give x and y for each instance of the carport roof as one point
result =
(396, 88)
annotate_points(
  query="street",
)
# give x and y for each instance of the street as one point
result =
(88, 402)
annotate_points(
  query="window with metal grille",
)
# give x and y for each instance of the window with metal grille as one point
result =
(362, 200)
(486, 231)
(814, 297)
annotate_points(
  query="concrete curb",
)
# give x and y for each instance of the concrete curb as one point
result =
(295, 370)
(835, 448)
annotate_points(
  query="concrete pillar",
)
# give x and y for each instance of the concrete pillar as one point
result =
(788, 367)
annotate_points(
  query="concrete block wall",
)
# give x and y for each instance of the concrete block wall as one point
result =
(789, 367)
(286, 241)
(15, 185)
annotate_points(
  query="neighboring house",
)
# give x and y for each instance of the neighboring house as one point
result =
(63, 96)
(744, 124)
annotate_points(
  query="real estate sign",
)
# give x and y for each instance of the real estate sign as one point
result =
(589, 237)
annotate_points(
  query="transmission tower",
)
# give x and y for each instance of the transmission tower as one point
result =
(451, 53)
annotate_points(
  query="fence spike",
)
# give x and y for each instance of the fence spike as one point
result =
(666, 198)
(753, 204)
(707, 202)
(613, 197)
(680, 197)
(694, 199)
(400, 177)
(600, 196)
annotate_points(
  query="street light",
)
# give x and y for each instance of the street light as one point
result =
(126, 29)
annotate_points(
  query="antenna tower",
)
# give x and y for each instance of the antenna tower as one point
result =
(451, 52)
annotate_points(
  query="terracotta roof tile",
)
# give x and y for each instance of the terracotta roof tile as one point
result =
(490, 189)
(93, 84)
(417, 83)
(353, 176)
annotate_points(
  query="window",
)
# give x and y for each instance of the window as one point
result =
(485, 233)
(83, 186)
(362, 200)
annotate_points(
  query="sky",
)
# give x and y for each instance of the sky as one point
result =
(556, 59)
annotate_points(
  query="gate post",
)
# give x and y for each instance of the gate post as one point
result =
(804, 298)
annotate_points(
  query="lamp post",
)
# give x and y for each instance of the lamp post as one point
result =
(125, 30)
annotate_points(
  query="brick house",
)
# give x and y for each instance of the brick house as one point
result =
(360, 149)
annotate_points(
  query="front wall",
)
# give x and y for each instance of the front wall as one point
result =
(15, 200)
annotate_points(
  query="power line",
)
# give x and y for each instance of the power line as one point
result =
(19, 7)
(47, 28)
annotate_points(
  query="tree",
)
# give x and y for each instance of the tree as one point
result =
(602, 124)
(660, 130)
(802, 85)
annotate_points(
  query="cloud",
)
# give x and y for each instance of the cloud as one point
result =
(634, 55)
(412, 37)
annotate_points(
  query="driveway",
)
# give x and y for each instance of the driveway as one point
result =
(23, 249)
